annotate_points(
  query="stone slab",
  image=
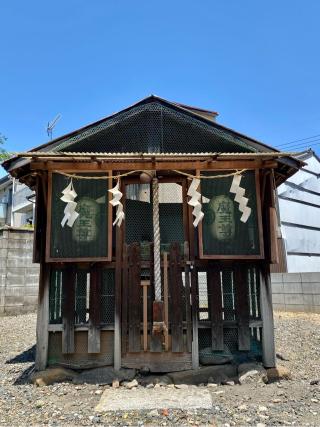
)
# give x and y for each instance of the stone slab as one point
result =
(122, 399)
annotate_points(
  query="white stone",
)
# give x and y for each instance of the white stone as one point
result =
(123, 399)
(131, 384)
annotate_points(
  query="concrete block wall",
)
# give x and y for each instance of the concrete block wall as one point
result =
(296, 292)
(19, 277)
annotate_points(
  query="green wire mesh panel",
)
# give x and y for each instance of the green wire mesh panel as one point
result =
(223, 232)
(228, 294)
(254, 292)
(107, 296)
(89, 235)
(55, 297)
(138, 208)
(203, 296)
(82, 296)
(230, 330)
(154, 128)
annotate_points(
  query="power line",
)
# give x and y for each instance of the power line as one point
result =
(308, 144)
(306, 147)
(298, 140)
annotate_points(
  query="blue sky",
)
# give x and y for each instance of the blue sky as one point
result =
(256, 63)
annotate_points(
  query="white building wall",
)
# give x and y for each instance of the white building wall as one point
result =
(300, 218)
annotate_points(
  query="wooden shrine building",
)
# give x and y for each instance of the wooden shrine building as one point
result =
(169, 269)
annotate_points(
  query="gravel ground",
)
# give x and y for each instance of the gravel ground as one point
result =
(294, 402)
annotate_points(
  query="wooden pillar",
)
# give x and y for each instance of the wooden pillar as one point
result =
(134, 295)
(117, 308)
(175, 285)
(43, 318)
(268, 347)
(124, 299)
(187, 299)
(194, 298)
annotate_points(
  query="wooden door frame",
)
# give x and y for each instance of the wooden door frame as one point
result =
(176, 179)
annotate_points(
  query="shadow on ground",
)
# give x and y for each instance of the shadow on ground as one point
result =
(24, 357)
(27, 356)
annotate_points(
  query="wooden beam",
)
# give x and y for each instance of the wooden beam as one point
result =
(43, 318)
(191, 165)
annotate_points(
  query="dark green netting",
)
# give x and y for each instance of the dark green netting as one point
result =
(107, 296)
(55, 297)
(88, 236)
(82, 296)
(154, 128)
(139, 225)
(223, 232)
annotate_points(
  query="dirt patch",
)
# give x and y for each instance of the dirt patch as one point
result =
(292, 402)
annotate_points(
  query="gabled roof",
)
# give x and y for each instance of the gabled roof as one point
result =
(155, 125)
(185, 110)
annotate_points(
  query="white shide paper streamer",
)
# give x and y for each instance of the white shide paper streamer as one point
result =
(239, 198)
(70, 214)
(194, 201)
(116, 202)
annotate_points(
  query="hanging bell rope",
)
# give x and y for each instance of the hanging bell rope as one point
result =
(156, 239)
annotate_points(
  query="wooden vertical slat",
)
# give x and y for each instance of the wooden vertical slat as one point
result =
(157, 313)
(124, 311)
(145, 284)
(39, 235)
(242, 307)
(268, 347)
(94, 310)
(166, 300)
(187, 293)
(43, 318)
(175, 284)
(215, 307)
(117, 305)
(194, 289)
(156, 338)
(195, 320)
(134, 306)
(68, 309)
(273, 225)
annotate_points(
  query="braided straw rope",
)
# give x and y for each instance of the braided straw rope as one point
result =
(156, 238)
(189, 175)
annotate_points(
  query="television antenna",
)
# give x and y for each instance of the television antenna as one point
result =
(52, 124)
